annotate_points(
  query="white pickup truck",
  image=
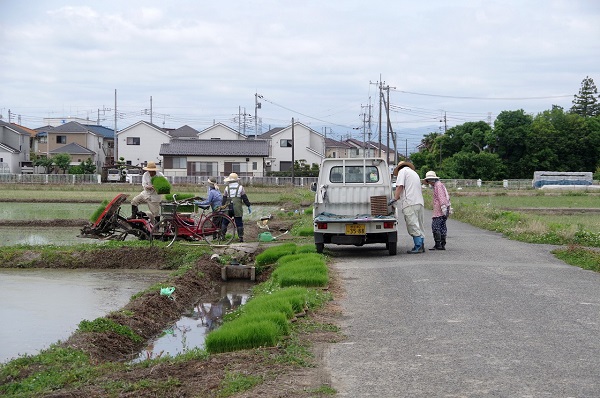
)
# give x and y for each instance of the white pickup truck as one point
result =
(351, 204)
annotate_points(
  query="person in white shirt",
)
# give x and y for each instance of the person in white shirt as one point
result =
(408, 192)
(149, 194)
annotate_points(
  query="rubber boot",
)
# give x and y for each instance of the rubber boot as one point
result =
(437, 237)
(240, 232)
(419, 245)
(443, 242)
(134, 212)
(156, 219)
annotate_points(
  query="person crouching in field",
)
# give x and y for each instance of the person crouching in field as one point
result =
(441, 210)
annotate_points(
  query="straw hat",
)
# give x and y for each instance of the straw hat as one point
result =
(431, 176)
(232, 177)
(211, 181)
(401, 165)
(151, 166)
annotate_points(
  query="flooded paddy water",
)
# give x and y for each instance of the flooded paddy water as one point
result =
(42, 306)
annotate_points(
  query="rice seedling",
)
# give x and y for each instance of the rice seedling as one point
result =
(272, 254)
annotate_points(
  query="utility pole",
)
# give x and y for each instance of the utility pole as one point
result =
(293, 146)
(116, 141)
(257, 106)
(104, 109)
(150, 109)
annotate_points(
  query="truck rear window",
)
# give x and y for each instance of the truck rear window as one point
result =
(354, 174)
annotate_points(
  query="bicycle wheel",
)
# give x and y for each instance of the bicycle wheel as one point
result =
(218, 229)
(165, 230)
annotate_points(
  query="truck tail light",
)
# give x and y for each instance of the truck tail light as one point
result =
(321, 225)
(388, 224)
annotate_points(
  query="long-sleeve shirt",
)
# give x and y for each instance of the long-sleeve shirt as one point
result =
(214, 199)
(440, 199)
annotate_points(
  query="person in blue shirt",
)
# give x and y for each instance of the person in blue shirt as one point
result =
(215, 198)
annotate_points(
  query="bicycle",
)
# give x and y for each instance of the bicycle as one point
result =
(215, 228)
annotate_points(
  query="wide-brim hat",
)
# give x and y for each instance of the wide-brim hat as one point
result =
(232, 177)
(401, 165)
(431, 176)
(212, 181)
(151, 166)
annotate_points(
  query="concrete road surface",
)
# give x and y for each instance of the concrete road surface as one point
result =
(488, 317)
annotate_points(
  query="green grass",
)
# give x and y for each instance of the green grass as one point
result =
(100, 325)
(580, 257)
(235, 383)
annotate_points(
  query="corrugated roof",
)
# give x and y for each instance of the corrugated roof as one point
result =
(178, 147)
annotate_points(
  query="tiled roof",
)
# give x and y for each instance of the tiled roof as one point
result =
(184, 132)
(269, 133)
(73, 149)
(178, 147)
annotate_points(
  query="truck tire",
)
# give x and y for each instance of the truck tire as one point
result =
(392, 248)
(320, 247)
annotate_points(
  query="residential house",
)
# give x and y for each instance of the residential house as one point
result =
(184, 132)
(77, 152)
(308, 147)
(141, 142)
(214, 158)
(98, 140)
(15, 148)
(337, 149)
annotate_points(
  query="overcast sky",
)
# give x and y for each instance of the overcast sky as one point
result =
(318, 62)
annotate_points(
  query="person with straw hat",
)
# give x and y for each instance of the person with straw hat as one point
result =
(235, 193)
(408, 192)
(441, 210)
(149, 194)
(214, 198)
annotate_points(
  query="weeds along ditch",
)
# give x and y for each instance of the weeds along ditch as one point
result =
(569, 219)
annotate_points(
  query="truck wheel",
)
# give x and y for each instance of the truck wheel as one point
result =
(392, 248)
(320, 247)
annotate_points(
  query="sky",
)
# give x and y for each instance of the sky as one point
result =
(318, 62)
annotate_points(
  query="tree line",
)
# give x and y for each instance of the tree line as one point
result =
(518, 143)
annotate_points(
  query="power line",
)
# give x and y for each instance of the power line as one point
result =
(486, 98)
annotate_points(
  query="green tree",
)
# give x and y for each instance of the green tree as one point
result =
(471, 165)
(88, 167)
(45, 162)
(586, 102)
(62, 161)
(512, 130)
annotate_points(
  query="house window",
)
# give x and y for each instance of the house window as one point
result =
(235, 167)
(61, 139)
(254, 165)
(209, 169)
(285, 143)
(285, 166)
(179, 162)
(133, 140)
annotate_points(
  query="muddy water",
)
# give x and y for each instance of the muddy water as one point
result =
(190, 330)
(61, 236)
(41, 306)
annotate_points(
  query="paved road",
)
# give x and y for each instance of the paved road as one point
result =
(488, 317)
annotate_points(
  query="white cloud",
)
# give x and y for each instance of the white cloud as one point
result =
(200, 60)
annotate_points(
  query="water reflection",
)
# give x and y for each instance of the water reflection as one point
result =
(41, 306)
(191, 329)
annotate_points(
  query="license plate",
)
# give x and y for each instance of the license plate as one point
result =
(355, 229)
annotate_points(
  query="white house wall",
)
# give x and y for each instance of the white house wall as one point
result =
(220, 131)
(303, 139)
(220, 160)
(150, 141)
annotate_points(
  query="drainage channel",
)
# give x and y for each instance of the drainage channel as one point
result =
(191, 329)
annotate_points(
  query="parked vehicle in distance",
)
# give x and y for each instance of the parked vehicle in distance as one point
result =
(351, 204)
(113, 175)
